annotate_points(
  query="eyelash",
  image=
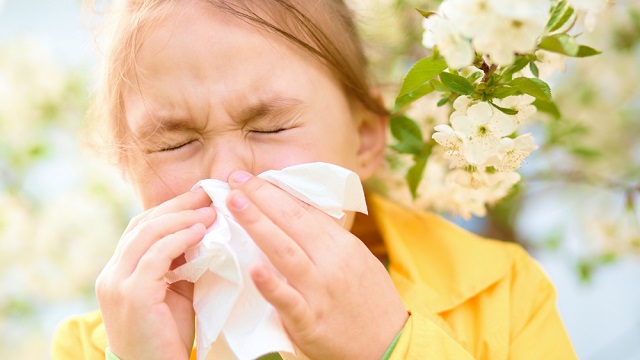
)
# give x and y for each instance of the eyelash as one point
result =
(172, 148)
(270, 131)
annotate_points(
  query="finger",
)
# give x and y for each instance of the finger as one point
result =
(155, 263)
(151, 231)
(190, 200)
(285, 254)
(290, 304)
(299, 220)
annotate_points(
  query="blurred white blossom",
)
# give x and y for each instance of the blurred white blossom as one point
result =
(523, 104)
(499, 28)
(549, 63)
(588, 10)
(61, 214)
(453, 46)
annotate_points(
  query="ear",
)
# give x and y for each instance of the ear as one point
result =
(372, 131)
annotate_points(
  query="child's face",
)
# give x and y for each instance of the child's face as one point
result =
(215, 95)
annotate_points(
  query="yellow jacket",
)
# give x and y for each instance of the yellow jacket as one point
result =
(469, 298)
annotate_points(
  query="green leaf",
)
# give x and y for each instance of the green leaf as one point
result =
(534, 69)
(534, 87)
(426, 14)
(475, 76)
(560, 43)
(560, 14)
(415, 84)
(408, 134)
(585, 152)
(504, 110)
(438, 86)
(408, 98)
(518, 64)
(567, 45)
(442, 101)
(547, 107)
(414, 176)
(607, 258)
(423, 71)
(585, 270)
(585, 51)
(457, 83)
(503, 91)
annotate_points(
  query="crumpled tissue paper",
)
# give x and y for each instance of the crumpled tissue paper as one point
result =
(233, 320)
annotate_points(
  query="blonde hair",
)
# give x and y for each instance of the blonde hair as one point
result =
(323, 28)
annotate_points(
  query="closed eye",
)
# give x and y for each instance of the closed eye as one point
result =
(174, 147)
(268, 131)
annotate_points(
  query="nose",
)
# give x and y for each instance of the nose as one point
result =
(224, 157)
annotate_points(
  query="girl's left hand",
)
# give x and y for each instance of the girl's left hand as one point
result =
(337, 300)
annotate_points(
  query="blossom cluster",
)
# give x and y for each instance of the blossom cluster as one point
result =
(499, 29)
(489, 64)
(479, 134)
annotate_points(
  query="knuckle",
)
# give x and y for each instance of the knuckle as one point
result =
(101, 287)
(135, 221)
(294, 212)
(104, 288)
(287, 251)
(255, 184)
(156, 251)
(144, 227)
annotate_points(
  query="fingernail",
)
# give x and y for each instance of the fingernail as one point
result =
(197, 188)
(239, 177)
(239, 201)
(260, 274)
(204, 210)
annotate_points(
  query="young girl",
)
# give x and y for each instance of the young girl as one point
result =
(198, 89)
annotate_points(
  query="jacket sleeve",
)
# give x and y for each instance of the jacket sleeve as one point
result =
(74, 339)
(537, 331)
(422, 339)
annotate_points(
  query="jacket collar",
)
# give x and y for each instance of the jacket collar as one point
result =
(434, 263)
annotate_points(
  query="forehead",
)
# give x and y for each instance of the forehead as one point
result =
(198, 52)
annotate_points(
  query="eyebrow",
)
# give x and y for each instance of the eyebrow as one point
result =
(161, 123)
(273, 107)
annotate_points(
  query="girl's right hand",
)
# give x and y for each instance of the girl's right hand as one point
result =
(144, 317)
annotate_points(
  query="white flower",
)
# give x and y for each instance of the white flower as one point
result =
(588, 11)
(471, 192)
(452, 45)
(470, 16)
(452, 141)
(522, 9)
(549, 62)
(513, 151)
(482, 132)
(507, 36)
(460, 105)
(520, 103)
(499, 28)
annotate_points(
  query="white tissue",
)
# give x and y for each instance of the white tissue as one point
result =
(225, 299)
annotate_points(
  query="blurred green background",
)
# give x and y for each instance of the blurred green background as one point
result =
(63, 208)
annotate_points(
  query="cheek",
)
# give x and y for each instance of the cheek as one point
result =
(155, 185)
(332, 144)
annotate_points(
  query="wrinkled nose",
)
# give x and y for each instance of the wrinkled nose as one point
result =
(228, 156)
